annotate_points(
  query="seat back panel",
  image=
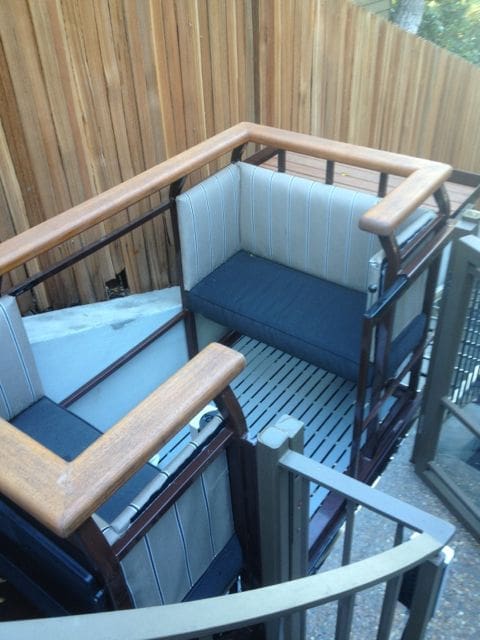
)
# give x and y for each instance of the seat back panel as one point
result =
(20, 384)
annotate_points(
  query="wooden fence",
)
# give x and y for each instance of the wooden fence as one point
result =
(94, 91)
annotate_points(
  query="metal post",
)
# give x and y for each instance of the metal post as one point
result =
(283, 514)
(445, 350)
(346, 606)
(428, 587)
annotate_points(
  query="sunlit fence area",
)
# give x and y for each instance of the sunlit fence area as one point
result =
(93, 93)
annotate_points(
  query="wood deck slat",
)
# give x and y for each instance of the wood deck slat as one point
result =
(358, 178)
(274, 383)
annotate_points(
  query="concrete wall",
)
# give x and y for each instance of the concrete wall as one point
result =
(72, 345)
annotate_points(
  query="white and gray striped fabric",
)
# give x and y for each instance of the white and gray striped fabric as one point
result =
(208, 224)
(306, 225)
(300, 223)
(20, 384)
(411, 303)
(175, 553)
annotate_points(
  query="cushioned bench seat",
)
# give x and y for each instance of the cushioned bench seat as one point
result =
(314, 319)
(282, 259)
(189, 551)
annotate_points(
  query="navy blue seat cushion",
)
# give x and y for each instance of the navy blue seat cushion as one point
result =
(217, 579)
(67, 435)
(314, 319)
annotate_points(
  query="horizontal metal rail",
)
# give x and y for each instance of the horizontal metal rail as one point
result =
(123, 359)
(362, 494)
(86, 251)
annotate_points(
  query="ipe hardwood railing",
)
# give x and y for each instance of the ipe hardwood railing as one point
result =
(422, 179)
(53, 490)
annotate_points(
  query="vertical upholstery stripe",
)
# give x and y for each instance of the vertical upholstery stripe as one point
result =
(270, 216)
(219, 186)
(308, 228)
(252, 211)
(138, 570)
(20, 384)
(207, 507)
(19, 352)
(289, 240)
(168, 553)
(208, 224)
(217, 487)
(178, 550)
(328, 233)
(5, 407)
(184, 542)
(154, 569)
(348, 246)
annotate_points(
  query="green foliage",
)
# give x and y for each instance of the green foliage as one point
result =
(454, 25)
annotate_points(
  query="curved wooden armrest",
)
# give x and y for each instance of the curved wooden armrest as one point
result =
(61, 495)
(423, 177)
(395, 207)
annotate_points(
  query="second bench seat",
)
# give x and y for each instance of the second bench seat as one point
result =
(311, 318)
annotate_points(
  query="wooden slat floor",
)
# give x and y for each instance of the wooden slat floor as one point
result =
(275, 383)
(358, 178)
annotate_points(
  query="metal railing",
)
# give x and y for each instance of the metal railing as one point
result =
(467, 366)
(448, 437)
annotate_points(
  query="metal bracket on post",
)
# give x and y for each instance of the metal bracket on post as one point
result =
(429, 581)
(283, 512)
(237, 153)
(472, 216)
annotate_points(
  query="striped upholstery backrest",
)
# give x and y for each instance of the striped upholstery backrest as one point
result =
(20, 384)
(175, 553)
(208, 224)
(306, 225)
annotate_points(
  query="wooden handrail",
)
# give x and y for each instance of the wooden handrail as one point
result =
(390, 212)
(423, 177)
(62, 495)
